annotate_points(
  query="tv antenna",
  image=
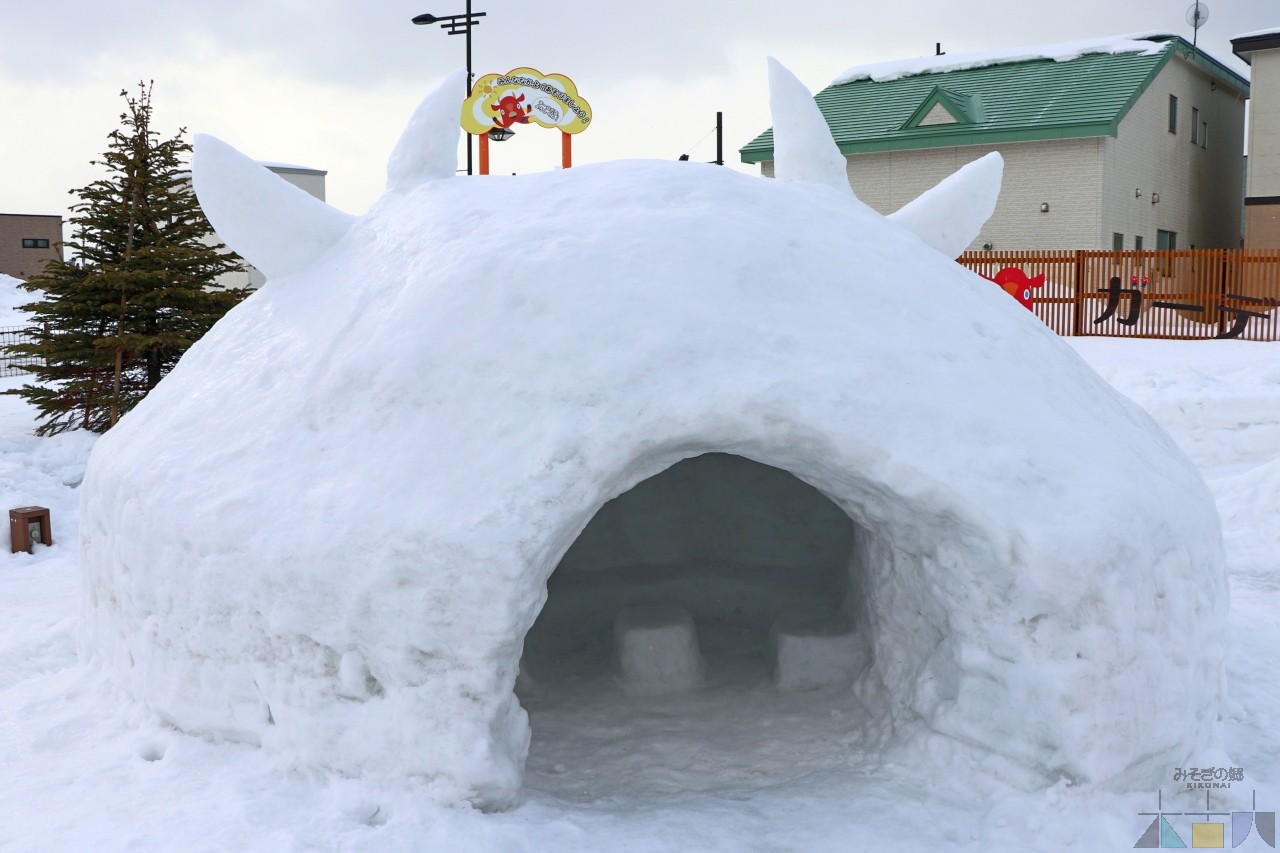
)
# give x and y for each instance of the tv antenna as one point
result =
(1197, 14)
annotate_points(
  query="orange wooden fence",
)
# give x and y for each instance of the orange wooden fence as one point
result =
(1184, 294)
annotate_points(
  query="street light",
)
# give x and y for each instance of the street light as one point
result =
(457, 25)
(497, 134)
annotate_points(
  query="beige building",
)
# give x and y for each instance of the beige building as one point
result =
(28, 242)
(1262, 189)
(1125, 145)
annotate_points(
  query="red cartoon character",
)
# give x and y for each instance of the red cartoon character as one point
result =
(1015, 283)
(509, 111)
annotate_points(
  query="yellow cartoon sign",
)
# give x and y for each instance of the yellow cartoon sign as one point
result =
(525, 95)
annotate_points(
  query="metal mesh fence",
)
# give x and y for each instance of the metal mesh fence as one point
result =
(13, 365)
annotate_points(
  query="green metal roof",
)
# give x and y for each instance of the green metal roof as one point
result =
(1015, 102)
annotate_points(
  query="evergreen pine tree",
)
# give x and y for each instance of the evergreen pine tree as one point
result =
(139, 290)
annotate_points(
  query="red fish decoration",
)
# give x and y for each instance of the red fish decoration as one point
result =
(1015, 283)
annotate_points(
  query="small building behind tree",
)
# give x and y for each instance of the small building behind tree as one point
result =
(28, 242)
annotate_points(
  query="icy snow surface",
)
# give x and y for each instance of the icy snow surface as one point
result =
(85, 769)
(330, 529)
(884, 71)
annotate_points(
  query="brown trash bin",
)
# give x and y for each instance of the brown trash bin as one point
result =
(29, 525)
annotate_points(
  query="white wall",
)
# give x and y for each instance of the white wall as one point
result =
(1199, 187)
(1065, 173)
(1264, 125)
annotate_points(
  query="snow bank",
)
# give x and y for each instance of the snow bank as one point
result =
(1201, 393)
(37, 471)
(329, 529)
(12, 297)
(882, 72)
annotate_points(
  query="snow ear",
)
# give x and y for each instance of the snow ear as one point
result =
(803, 148)
(265, 219)
(428, 148)
(950, 216)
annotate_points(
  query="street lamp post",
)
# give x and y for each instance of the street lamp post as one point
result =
(457, 25)
(497, 134)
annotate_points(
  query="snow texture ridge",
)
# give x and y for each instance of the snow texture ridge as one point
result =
(329, 529)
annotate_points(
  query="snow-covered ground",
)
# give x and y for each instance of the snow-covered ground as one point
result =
(726, 768)
(12, 296)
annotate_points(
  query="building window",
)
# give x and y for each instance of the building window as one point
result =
(1204, 134)
(1166, 240)
(35, 243)
(1117, 242)
(1195, 125)
(1137, 242)
(1173, 114)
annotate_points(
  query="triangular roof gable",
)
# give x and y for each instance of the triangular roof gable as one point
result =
(944, 106)
(1021, 101)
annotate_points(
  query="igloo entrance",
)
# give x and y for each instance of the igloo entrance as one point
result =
(711, 608)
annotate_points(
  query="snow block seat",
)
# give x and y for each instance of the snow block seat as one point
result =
(483, 391)
(809, 654)
(656, 648)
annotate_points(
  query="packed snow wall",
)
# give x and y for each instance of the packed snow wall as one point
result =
(330, 529)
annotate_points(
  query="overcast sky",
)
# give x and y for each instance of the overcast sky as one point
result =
(331, 83)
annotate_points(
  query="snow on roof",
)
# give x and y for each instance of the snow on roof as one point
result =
(1270, 31)
(895, 69)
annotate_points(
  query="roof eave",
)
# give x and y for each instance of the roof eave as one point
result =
(1247, 46)
(752, 153)
(1213, 67)
(958, 139)
(978, 137)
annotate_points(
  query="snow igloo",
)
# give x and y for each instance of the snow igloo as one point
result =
(660, 420)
